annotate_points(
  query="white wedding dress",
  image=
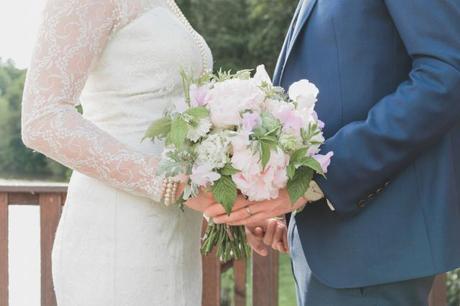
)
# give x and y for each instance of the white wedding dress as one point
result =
(114, 246)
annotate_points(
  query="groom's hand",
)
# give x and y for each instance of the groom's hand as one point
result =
(255, 212)
(270, 233)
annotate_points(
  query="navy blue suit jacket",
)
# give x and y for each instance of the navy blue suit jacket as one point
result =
(388, 72)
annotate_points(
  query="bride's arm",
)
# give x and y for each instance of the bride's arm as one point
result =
(72, 35)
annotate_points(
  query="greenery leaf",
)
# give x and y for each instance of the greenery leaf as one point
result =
(186, 82)
(225, 192)
(312, 163)
(229, 170)
(270, 123)
(290, 170)
(265, 153)
(178, 133)
(298, 185)
(298, 155)
(198, 113)
(158, 129)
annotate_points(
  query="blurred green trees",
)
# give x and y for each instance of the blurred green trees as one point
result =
(16, 160)
(241, 33)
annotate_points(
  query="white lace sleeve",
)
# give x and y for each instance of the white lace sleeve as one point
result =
(73, 33)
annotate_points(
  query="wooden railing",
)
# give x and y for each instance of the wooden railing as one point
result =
(51, 198)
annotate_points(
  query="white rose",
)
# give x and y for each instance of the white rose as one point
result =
(261, 76)
(230, 98)
(305, 94)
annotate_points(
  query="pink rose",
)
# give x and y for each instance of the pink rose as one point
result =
(240, 141)
(324, 160)
(250, 121)
(257, 183)
(203, 175)
(199, 95)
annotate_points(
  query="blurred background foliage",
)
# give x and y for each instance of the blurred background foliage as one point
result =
(241, 33)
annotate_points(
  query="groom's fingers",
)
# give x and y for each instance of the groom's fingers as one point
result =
(270, 232)
(256, 242)
(285, 243)
(278, 236)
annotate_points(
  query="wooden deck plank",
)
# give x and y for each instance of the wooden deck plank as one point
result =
(50, 213)
(265, 279)
(3, 248)
(212, 271)
(438, 296)
(211, 280)
(240, 282)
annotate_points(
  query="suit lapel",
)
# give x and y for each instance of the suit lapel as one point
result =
(282, 56)
(302, 19)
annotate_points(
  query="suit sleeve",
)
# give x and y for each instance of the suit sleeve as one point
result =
(368, 154)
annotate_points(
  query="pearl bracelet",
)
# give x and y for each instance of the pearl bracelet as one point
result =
(165, 190)
(169, 190)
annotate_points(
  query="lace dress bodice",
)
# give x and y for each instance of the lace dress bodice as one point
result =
(119, 59)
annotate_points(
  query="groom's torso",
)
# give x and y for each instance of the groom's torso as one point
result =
(352, 51)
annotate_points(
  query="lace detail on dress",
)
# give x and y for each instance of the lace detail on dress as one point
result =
(72, 36)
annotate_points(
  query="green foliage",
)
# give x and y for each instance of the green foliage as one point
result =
(229, 170)
(453, 288)
(159, 128)
(225, 192)
(241, 33)
(298, 185)
(198, 113)
(15, 159)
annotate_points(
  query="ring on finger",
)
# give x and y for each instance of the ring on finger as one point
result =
(248, 210)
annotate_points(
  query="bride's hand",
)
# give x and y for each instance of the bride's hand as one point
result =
(201, 202)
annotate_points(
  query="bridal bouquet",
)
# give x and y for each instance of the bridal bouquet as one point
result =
(241, 134)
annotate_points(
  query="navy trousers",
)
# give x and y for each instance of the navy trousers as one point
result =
(311, 292)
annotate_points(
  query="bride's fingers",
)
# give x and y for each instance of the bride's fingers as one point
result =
(218, 210)
(256, 218)
(243, 216)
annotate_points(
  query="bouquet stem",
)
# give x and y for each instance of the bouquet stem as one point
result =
(230, 242)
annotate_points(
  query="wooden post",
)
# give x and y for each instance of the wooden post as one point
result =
(239, 270)
(4, 248)
(211, 280)
(50, 213)
(438, 295)
(265, 279)
(211, 276)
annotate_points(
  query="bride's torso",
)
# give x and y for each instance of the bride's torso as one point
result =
(137, 75)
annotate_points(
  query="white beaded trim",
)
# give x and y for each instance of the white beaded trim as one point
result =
(199, 41)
